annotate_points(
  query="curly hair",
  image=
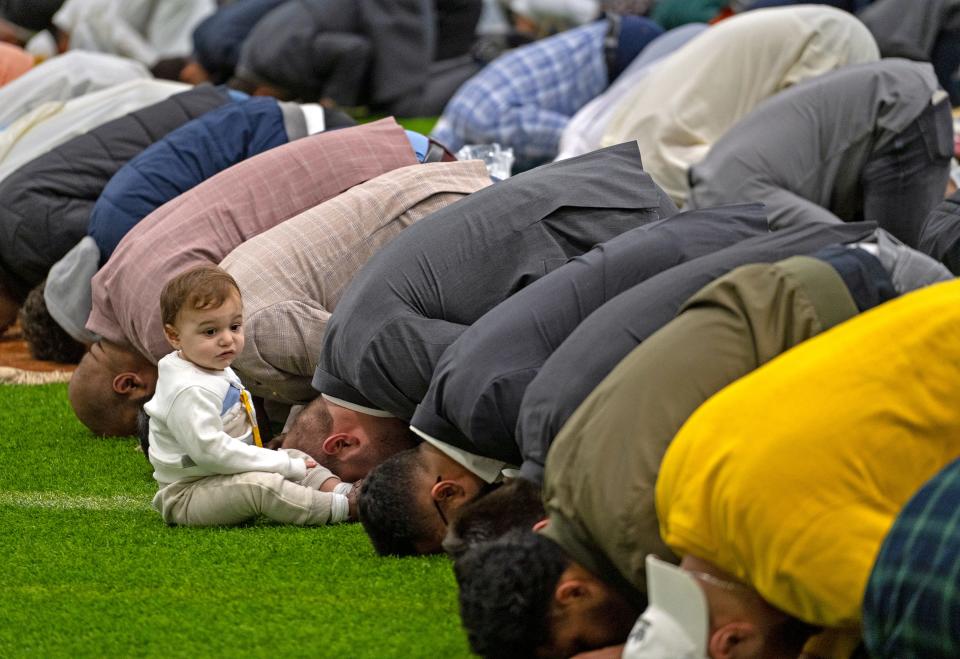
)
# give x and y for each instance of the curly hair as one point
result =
(506, 591)
(388, 509)
(46, 339)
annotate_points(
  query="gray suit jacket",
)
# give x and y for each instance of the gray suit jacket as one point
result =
(941, 233)
(803, 151)
(474, 397)
(603, 339)
(907, 28)
(416, 296)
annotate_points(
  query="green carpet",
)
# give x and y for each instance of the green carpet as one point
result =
(91, 570)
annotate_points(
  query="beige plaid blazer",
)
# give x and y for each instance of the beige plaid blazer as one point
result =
(293, 275)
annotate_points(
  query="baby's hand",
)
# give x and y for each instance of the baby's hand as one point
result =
(311, 463)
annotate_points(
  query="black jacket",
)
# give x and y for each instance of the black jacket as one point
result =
(45, 205)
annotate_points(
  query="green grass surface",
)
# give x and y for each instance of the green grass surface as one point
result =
(90, 570)
(421, 125)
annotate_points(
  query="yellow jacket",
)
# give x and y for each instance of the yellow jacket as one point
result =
(790, 478)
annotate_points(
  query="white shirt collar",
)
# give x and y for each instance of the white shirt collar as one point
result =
(372, 411)
(313, 115)
(487, 469)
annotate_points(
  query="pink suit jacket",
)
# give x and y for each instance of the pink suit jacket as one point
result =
(204, 224)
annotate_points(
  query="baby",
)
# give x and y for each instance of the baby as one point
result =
(205, 445)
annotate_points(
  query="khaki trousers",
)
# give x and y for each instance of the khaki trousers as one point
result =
(230, 499)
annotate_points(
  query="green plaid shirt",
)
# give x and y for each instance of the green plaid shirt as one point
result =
(912, 604)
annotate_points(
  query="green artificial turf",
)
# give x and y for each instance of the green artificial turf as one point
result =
(90, 570)
(422, 125)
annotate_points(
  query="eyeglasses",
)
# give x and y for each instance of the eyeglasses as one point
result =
(436, 504)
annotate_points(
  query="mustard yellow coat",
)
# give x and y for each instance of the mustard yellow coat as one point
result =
(790, 477)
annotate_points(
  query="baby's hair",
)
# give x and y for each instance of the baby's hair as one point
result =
(202, 287)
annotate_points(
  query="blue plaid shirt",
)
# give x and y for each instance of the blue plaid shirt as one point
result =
(524, 98)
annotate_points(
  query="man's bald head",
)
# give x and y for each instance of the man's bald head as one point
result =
(109, 387)
(347, 442)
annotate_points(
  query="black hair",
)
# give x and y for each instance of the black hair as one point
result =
(387, 506)
(506, 591)
(44, 336)
(143, 432)
(169, 68)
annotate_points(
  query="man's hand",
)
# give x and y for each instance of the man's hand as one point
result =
(352, 500)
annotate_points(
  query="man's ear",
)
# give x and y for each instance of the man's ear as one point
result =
(337, 442)
(128, 384)
(735, 640)
(446, 490)
(571, 591)
(173, 336)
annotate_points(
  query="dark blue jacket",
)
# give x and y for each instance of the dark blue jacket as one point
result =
(183, 159)
(217, 39)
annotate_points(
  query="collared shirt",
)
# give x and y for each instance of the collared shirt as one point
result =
(315, 118)
(524, 98)
(363, 409)
(487, 469)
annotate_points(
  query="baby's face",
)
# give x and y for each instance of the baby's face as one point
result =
(210, 338)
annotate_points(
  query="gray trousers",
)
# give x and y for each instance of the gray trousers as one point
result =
(229, 499)
(906, 179)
